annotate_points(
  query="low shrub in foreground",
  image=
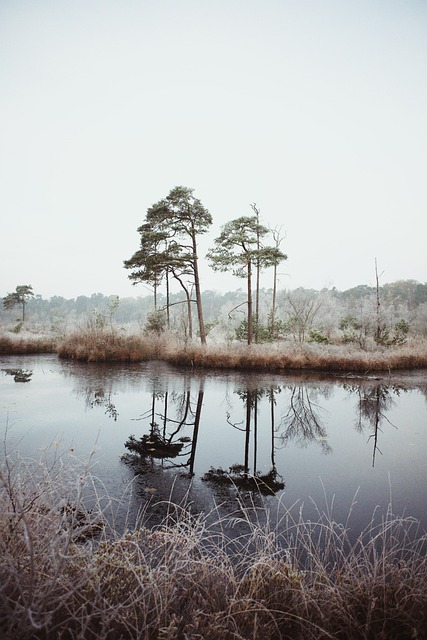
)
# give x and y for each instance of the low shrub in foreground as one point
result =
(185, 580)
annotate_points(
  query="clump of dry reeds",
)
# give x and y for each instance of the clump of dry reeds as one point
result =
(14, 345)
(111, 345)
(191, 578)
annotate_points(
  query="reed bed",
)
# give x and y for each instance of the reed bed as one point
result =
(63, 575)
(110, 346)
(13, 345)
(288, 356)
(113, 345)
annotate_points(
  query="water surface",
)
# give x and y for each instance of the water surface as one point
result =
(223, 438)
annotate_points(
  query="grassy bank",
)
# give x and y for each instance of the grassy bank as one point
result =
(116, 346)
(183, 581)
(282, 356)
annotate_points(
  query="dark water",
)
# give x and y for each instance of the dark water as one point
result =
(321, 442)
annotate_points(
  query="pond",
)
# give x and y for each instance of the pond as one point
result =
(222, 439)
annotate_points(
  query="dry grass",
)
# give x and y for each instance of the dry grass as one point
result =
(283, 356)
(188, 579)
(104, 345)
(288, 356)
(108, 346)
(14, 345)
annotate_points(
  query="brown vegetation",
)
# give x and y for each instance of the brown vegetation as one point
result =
(13, 345)
(285, 356)
(105, 346)
(111, 345)
(181, 580)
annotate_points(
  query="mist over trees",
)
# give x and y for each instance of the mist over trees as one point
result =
(301, 315)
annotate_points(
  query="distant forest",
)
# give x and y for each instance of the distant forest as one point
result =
(305, 314)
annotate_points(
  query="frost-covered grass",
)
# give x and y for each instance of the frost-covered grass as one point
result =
(288, 355)
(64, 575)
(11, 344)
(110, 344)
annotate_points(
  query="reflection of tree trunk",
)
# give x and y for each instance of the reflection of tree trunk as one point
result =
(153, 411)
(165, 417)
(248, 431)
(196, 431)
(376, 423)
(255, 432)
(273, 463)
(185, 414)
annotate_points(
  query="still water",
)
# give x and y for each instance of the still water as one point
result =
(157, 432)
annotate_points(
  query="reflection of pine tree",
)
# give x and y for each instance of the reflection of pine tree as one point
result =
(164, 445)
(239, 475)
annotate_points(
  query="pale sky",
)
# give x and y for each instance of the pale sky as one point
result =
(316, 110)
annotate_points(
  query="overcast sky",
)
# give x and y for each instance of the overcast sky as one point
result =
(316, 110)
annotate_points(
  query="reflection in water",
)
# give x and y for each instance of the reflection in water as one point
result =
(302, 422)
(19, 375)
(237, 437)
(372, 403)
(238, 474)
(99, 397)
(163, 444)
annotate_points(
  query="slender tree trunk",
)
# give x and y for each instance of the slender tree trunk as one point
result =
(167, 300)
(273, 303)
(187, 294)
(378, 332)
(190, 318)
(257, 295)
(258, 271)
(198, 292)
(250, 319)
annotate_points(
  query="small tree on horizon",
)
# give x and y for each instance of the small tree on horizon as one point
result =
(19, 297)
